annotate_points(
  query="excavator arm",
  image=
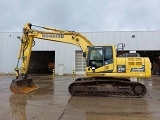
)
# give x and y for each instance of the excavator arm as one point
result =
(18, 85)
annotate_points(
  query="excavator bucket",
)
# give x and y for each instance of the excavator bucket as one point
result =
(23, 86)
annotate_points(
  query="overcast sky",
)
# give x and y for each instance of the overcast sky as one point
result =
(81, 15)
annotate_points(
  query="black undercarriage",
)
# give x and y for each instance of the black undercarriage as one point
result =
(106, 86)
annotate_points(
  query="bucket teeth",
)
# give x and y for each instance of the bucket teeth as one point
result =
(23, 85)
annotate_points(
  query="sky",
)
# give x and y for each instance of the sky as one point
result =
(81, 15)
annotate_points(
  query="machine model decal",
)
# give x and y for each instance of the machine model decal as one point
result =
(138, 69)
(52, 36)
(121, 68)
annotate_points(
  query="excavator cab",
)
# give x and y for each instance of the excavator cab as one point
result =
(99, 56)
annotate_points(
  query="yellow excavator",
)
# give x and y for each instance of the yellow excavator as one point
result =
(105, 73)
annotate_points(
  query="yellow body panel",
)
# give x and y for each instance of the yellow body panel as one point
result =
(124, 67)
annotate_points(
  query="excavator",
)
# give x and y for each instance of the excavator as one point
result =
(106, 74)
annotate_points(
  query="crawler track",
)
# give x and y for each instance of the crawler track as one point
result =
(106, 86)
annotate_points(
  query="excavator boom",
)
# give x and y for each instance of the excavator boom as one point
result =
(23, 83)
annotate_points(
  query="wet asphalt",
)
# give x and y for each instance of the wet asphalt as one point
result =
(52, 101)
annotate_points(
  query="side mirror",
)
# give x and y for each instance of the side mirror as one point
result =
(84, 54)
